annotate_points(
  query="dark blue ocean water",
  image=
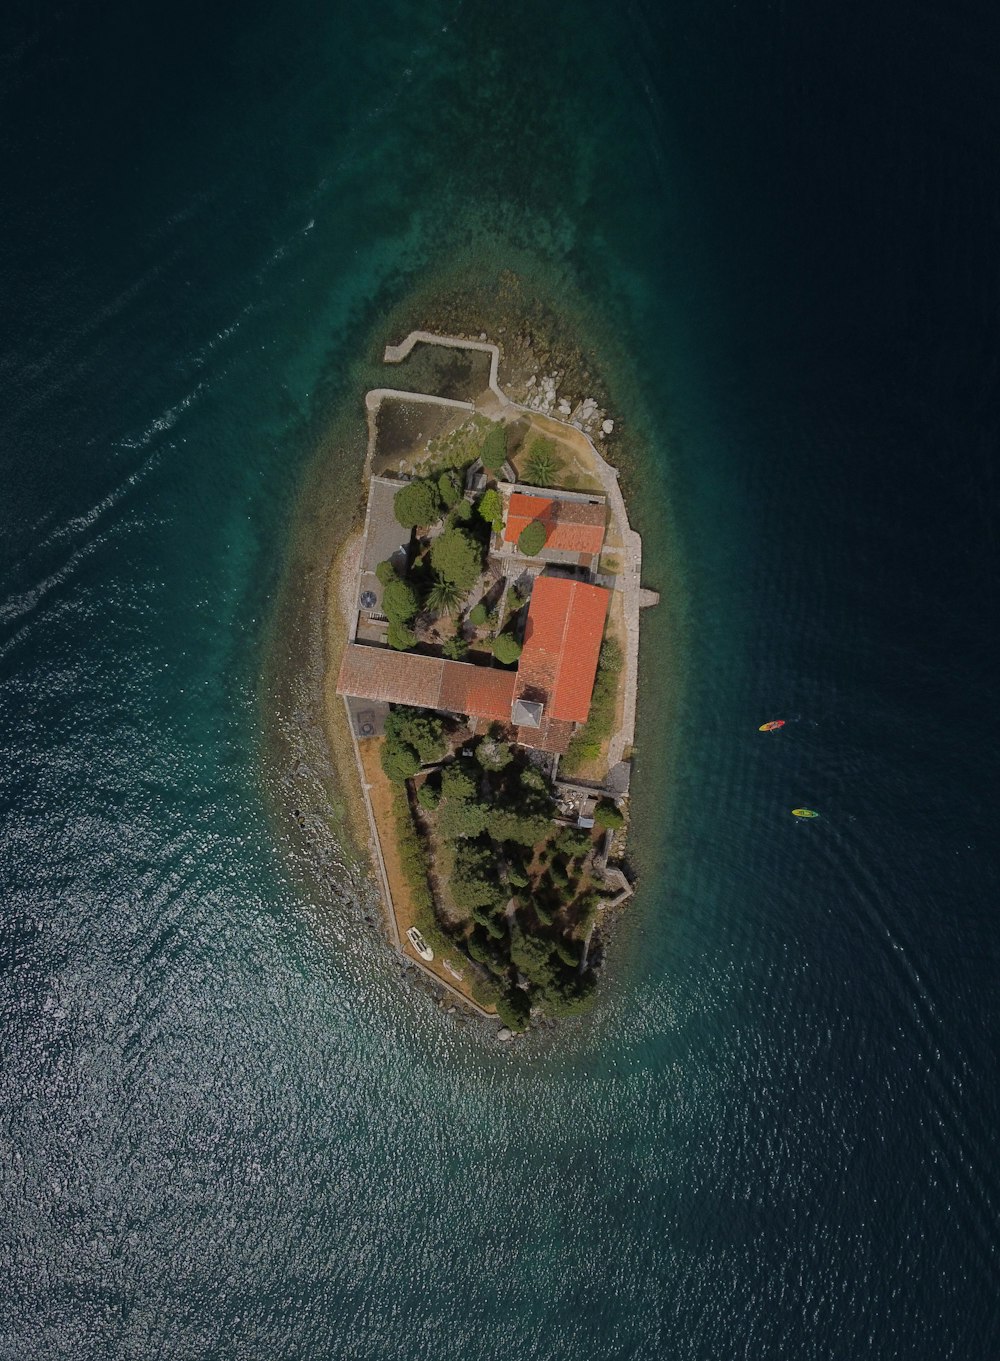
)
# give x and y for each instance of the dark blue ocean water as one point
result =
(226, 1128)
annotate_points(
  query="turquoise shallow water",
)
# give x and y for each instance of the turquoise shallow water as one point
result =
(227, 1129)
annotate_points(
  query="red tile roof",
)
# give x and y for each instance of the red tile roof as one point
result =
(397, 677)
(562, 642)
(552, 735)
(426, 682)
(479, 691)
(570, 526)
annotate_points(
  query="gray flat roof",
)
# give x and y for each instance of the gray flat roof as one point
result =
(384, 535)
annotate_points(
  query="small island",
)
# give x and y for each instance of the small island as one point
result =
(489, 677)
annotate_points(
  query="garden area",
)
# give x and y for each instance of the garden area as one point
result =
(495, 876)
(448, 602)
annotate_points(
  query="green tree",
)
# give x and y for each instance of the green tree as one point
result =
(460, 821)
(444, 596)
(456, 556)
(506, 649)
(493, 755)
(608, 815)
(568, 954)
(424, 731)
(533, 779)
(542, 463)
(449, 489)
(428, 796)
(400, 637)
(455, 647)
(386, 572)
(494, 450)
(490, 507)
(514, 1008)
(399, 603)
(399, 760)
(462, 512)
(478, 615)
(531, 539)
(417, 504)
(511, 824)
(457, 782)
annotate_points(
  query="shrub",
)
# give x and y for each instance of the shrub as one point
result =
(485, 991)
(490, 507)
(531, 540)
(462, 512)
(455, 647)
(456, 557)
(400, 637)
(386, 572)
(494, 450)
(515, 600)
(506, 649)
(608, 815)
(399, 602)
(449, 489)
(417, 504)
(428, 796)
(477, 615)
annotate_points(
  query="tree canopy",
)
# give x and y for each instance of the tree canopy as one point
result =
(424, 731)
(531, 539)
(490, 507)
(494, 450)
(449, 488)
(399, 602)
(506, 649)
(400, 637)
(417, 503)
(457, 558)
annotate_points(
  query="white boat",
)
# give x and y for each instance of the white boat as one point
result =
(419, 944)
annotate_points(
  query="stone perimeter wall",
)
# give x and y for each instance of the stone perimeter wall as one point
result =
(635, 597)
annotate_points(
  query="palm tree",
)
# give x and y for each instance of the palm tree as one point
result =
(444, 596)
(542, 463)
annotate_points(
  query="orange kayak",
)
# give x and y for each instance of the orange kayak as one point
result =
(770, 727)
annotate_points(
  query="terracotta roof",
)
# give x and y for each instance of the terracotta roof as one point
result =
(570, 526)
(396, 677)
(480, 691)
(426, 682)
(551, 735)
(562, 642)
